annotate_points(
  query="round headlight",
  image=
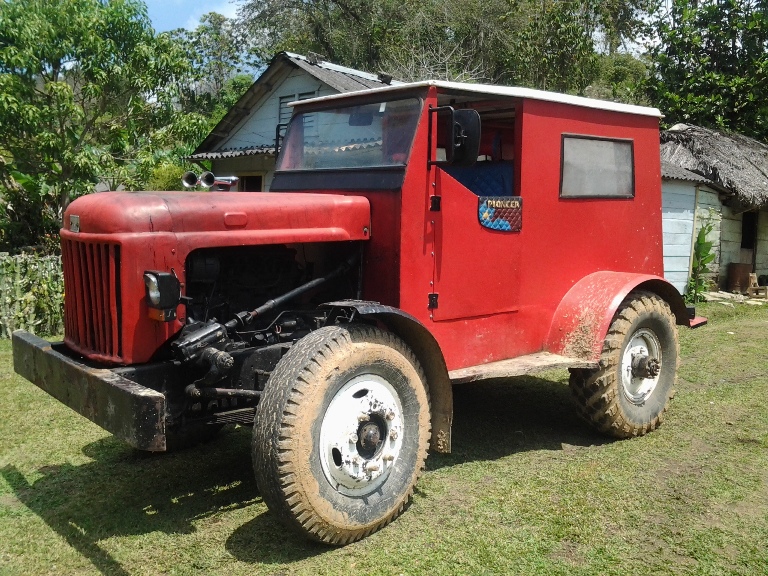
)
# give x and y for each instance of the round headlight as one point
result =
(153, 289)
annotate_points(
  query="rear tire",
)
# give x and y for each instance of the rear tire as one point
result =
(630, 392)
(341, 433)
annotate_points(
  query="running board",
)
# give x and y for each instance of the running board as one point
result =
(519, 366)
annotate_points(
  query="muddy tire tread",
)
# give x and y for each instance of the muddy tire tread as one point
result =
(273, 459)
(596, 391)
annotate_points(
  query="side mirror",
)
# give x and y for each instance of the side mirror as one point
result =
(458, 132)
(466, 137)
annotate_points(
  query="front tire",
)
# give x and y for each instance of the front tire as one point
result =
(630, 392)
(341, 433)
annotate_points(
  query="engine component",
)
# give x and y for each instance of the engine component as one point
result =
(244, 319)
(196, 338)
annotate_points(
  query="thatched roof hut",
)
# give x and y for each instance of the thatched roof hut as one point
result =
(734, 162)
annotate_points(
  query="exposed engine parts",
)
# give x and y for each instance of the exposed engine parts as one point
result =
(208, 344)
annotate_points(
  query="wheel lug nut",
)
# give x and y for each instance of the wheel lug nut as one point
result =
(387, 457)
(393, 435)
(353, 438)
(362, 417)
(371, 467)
(390, 415)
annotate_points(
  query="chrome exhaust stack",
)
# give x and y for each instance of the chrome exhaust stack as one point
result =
(209, 180)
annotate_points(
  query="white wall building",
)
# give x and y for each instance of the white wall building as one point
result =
(243, 143)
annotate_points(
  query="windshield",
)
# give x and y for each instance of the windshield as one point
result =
(363, 136)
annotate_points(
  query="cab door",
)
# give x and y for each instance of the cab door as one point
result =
(477, 242)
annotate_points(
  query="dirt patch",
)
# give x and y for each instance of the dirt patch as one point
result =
(676, 468)
(568, 552)
(751, 508)
(580, 341)
(10, 502)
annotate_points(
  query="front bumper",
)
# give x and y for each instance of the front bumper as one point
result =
(133, 413)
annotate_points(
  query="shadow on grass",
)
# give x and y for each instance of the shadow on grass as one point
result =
(123, 492)
(500, 417)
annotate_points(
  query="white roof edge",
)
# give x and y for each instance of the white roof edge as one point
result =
(343, 69)
(508, 91)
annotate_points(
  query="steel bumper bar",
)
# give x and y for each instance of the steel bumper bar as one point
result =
(132, 412)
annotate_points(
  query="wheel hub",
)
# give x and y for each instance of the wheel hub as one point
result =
(361, 435)
(641, 364)
(645, 367)
(370, 434)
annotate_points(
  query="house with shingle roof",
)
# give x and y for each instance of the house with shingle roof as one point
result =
(243, 143)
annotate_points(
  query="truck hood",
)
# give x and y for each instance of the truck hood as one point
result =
(182, 213)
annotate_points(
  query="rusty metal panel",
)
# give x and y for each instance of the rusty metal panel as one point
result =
(133, 413)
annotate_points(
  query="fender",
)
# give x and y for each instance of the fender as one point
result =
(428, 351)
(584, 315)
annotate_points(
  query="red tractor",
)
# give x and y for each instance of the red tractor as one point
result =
(416, 236)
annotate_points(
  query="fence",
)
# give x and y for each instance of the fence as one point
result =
(31, 294)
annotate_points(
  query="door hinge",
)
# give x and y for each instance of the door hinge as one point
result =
(434, 203)
(432, 301)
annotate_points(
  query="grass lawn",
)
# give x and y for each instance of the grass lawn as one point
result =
(528, 489)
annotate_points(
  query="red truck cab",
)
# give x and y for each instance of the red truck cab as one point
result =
(416, 236)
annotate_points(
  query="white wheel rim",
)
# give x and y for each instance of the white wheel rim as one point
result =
(366, 406)
(638, 387)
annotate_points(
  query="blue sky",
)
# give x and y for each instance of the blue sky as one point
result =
(171, 14)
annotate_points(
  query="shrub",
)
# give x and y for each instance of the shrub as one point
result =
(31, 294)
(703, 256)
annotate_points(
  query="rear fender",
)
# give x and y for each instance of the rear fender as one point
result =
(427, 350)
(584, 315)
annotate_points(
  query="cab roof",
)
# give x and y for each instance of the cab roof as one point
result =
(473, 91)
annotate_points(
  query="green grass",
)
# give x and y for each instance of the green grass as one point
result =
(528, 489)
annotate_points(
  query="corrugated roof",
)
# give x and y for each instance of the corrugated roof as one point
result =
(338, 77)
(233, 153)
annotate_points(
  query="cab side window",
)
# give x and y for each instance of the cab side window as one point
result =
(594, 167)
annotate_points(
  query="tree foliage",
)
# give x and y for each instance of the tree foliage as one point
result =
(710, 64)
(538, 43)
(84, 86)
(555, 50)
(221, 55)
(703, 256)
(622, 22)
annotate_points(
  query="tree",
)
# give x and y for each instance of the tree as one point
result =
(351, 32)
(85, 85)
(555, 50)
(538, 43)
(220, 56)
(459, 41)
(622, 21)
(709, 65)
(620, 78)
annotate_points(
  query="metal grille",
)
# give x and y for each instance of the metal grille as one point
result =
(92, 317)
